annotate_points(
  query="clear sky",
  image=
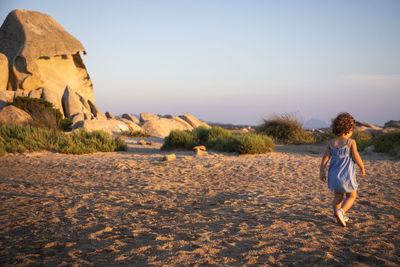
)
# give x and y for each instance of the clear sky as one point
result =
(237, 61)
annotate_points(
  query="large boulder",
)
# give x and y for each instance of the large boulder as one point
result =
(73, 103)
(186, 125)
(12, 114)
(54, 98)
(36, 93)
(130, 117)
(193, 121)
(109, 125)
(110, 116)
(392, 124)
(41, 53)
(148, 117)
(162, 127)
(132, 126)
(96, 111)
(6, 97)
(3, 72)
(367, 127)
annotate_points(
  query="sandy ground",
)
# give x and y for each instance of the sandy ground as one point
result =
(131, 208)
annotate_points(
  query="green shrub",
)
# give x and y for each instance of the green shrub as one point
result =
(178, 139)
(82, 142)
(132, 133)
(224, 144)
(253, 144)
(21, 138)
(387, 142)
(200, 135)
(383, 143)
(219, 139)
(285, 129)
(219, 132)
(66, 124)
(363, 139)
(43, 113)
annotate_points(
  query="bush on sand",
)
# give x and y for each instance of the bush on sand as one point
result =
(219, 139)
(132, 133)
(286, 129)
(22, 138)
(43, 113)
(383, 143)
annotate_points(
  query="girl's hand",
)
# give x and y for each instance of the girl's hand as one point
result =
(362, 173)
(322, 176)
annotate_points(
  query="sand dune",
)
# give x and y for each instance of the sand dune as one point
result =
(131, 208)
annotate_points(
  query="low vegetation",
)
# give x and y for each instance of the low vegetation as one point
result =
(219, 139)
(22, 138)
(286, 129)
(132, 133)
(46, 132)
(43, 113)
(383, 143)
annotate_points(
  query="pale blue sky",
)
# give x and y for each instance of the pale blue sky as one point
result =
(237, 61)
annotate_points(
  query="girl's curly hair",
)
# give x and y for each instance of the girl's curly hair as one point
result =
(343, 124)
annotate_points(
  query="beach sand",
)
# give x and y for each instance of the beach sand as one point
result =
(132, 208)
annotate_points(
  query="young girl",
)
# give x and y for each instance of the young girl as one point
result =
(342, 151)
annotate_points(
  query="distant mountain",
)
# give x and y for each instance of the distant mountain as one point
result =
(315, 124)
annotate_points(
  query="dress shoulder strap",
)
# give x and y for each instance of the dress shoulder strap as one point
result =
(348, 142)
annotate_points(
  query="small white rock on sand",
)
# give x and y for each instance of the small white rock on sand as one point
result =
(131, 208)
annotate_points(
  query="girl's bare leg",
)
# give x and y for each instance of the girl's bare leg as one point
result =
(350, 198)
(337, 201)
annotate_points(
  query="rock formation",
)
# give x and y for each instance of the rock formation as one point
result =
(163, 126)
(6, 97)
(392, 124)
(3, 72)
(40, 59)
(42, 54)
(148, 117)
(130, 117)
(368, 127)
(193, 121)
(12, 114)
(110, 116)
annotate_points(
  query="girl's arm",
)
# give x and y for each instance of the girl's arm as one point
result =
(356, 157)
(324, 161)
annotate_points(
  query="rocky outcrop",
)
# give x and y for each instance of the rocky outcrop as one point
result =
(3, 72)
(111, 126)
(96, 111)
(392, 124)
(36, 93)
(186, 125)
(6, 97)
(132, 126)
(148, 117)
(54, 98)
(367, 127)
(110, 116)
(42, 54)
(73, 103)
(193, 121)
(130, 117)
(11, 114)
(162, 127)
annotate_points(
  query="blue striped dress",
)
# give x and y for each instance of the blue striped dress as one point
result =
(342, 170)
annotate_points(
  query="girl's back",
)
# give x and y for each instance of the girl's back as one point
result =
(342, 173)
